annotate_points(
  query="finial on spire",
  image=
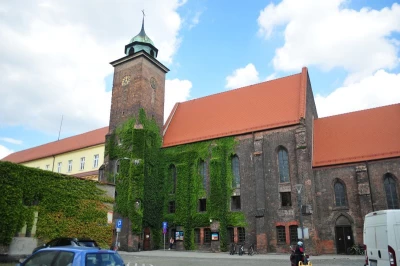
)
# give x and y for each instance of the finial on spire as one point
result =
(143, 21)
(143, 13)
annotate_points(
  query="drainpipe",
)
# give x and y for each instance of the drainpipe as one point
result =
(54, 158)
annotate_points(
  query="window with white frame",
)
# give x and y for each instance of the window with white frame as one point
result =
(82, 163)
(59, 167)
(96, 161)
(69, 166)
(47, 166)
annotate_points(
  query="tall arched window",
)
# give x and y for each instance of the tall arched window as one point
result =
(236, 172)
(283, 161)
(172, 171)
(391, 192)
(340, 194)
(203, 173)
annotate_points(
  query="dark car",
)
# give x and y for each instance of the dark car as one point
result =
(73, 256)
(69, 241)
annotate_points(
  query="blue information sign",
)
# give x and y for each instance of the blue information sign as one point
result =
(164, 227)
(118, 224)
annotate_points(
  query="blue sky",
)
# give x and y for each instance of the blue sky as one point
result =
(54, 55)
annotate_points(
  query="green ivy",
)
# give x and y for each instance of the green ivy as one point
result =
(138, 139)
(189, 187)
(67, 206)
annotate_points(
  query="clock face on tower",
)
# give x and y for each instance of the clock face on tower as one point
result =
(153, 83)
(125, 80)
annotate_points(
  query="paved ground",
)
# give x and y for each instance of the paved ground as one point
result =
(189, 258)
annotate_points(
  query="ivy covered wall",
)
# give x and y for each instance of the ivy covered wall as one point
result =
(217, 155)
(139, 184)
(67, 206)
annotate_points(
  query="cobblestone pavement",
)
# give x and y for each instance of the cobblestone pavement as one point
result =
(187, 258)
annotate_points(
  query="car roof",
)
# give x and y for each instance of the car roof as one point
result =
(78, 249)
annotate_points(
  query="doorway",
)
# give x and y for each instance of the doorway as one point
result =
(343, 235)
(146, 239)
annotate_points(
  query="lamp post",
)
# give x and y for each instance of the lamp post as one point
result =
(298, 188)
(116, 163)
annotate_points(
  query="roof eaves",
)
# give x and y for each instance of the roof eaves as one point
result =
(232, 133)
(303, 92)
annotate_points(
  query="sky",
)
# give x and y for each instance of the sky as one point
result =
(55, 55)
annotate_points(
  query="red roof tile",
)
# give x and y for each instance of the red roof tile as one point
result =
(266, 105)
(358, 136)
(77, 142)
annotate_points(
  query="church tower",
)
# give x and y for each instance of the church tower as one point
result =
(139, 82)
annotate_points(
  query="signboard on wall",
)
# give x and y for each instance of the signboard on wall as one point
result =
(299, 234)
(215, 236)
(179, 235)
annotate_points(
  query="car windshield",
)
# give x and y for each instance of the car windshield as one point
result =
(103, 259)
(87, 243)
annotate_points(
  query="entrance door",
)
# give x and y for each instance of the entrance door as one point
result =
(146, 239)
(343, 234)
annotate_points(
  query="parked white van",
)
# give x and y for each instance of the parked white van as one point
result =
(382, 238)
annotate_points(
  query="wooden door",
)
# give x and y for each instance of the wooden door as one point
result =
(146, 239)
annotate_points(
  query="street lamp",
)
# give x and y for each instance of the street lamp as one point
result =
(116, 164)
(298, 188)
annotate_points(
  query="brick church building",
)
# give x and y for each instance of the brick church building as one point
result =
(251, 165)
(337, 168)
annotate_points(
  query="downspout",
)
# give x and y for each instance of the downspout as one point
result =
(369, 183)
(54, 159)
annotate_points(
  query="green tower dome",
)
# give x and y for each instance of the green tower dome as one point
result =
(141, 42)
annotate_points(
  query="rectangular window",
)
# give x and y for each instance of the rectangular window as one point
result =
(235, 203)
(47, 166)
(281, 234)
(241, 235)
(293, 234)
(59, 167)
(197, 235)
(171, 207)
(207, 236)
(202, 205)
(231, 235)
(286, 199)
(96, 161)
(82, 163)
(70, 166)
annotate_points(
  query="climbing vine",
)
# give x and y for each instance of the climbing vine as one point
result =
(66, 206)
(136, 146)
(189, 187)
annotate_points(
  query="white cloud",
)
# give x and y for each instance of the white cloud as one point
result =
(55, 56)
(175, 91)
(4, 151)
(271, 77)
(326, 34)
(242, 77)
(11, 140)
(380, 89)
(195, 20)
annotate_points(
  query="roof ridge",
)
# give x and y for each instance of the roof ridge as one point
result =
(358, 111)
(248, 86)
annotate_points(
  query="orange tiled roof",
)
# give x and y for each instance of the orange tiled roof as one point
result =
(266, 105)
(358, 136)
(77, 142)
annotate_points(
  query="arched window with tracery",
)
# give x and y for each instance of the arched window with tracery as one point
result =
(283, 162)
(340, 194)
(236, 172)
(172, 172)
(391, 192)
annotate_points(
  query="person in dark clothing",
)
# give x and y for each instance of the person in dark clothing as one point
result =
(299, 252)
(171, 243)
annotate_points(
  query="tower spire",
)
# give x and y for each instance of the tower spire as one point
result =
(141, 42)
(143, 23)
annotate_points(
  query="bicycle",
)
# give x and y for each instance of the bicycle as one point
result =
(356, 250)
(251, 251)
(232, 250)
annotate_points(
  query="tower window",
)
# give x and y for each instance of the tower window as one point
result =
(340, 194)
(202, 205)
(171, 207)
(286, 199)
(236, 172)
(293, 234)
(207, 236)
(235, 203)
(241, 235)
(152, 53)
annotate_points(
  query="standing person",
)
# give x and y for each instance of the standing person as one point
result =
(171, 242)
(299, 252)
